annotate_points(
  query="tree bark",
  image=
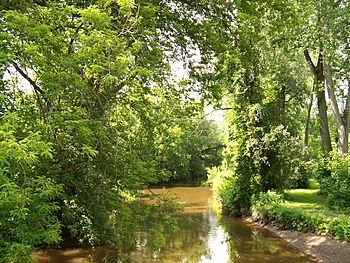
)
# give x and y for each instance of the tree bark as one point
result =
(341, 120)
(319, 80)
(322, 113)
(307, 123)
(346, 118)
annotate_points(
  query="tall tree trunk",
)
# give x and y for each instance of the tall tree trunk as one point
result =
(346, 118)
(322, 113)
(307, 123)
(341, 120)
(319, 79)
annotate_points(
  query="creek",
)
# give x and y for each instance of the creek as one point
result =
(203, 236)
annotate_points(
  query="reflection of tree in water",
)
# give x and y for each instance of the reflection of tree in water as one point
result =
(261, 244)
(186, 244)
(189, 242)
(250, 244)
(246, 240)
(201, 236)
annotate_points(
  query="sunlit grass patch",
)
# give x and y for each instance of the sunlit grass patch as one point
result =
(302, 210)
(314, 184)
(306, 198)
(310, 200)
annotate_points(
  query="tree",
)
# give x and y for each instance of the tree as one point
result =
(327, 38)
(265, 91)
(95, 70)
(318, 72)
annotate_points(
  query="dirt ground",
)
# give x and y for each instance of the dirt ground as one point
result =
(322, 248)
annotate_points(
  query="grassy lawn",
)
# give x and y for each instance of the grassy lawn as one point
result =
(310, 200)
(306, 198)
(303, 210)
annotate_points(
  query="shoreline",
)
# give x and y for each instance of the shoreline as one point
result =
(322, 248)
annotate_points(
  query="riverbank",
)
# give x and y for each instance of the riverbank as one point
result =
(302, 218)
(322, 248)
(300, 212)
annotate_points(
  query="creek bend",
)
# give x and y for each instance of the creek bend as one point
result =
(204, 236)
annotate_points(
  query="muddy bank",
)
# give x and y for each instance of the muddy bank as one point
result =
(323, 248)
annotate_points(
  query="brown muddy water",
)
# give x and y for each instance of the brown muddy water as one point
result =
(204, 236)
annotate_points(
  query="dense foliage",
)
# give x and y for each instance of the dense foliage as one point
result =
(336, 184)
(273, 74)
(92, 108)
(90, 114)
(265, 94)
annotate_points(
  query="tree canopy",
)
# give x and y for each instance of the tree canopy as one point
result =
(92, 109)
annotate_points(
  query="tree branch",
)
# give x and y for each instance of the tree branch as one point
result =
(307, 123)
(24, 75)
(217, 109)
(346, 114)
(70, 47)
(309, 62)
(347, 103)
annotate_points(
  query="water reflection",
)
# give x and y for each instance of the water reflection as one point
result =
(203, 237)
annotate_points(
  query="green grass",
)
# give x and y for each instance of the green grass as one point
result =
(311, 201)
(303, 210)
(314, 184)
(306, 198)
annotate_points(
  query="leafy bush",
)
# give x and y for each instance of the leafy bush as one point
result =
(261, 158)
(269, 198)
(300, 179)
(27, 200)
(234, 199)
(339, 228)
(336, 183)
(261, 203)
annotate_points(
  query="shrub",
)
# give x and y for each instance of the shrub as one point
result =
(339, 228)
(336, 184)
(261, 204)
(269, 198)
(300, 180)
(28, 204)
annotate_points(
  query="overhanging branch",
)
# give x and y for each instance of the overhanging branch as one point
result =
(24, 75)
(216, 109)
